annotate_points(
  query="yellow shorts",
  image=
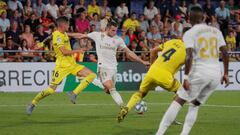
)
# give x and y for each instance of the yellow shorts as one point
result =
(60, 73)
(160, 77)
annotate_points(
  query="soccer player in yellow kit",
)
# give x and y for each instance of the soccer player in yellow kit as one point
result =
(161, 72)
(65, 64)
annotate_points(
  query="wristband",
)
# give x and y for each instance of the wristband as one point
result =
(185, 77)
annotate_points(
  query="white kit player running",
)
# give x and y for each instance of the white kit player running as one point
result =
(202, 71)
(107, 44)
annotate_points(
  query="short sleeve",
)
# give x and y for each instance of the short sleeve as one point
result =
(58, 40)
(188, 39)
(93, 35)
(221, 41)
(121, 44)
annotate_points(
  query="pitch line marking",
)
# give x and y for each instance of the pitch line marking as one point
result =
(104, 104)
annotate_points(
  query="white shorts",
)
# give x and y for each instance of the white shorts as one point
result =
(107, 74)
(201, 86)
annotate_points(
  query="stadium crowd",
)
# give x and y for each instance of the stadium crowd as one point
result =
(26, 24)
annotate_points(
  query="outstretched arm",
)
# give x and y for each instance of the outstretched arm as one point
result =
(77, 35)
(225, 78)
(132, 56)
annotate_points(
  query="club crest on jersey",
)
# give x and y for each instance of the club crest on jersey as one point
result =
(59, 40)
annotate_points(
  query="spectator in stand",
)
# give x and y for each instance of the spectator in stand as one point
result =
(173, 9)
(132, 22)
(213, 22)
(27, 10)
(104, 21)
(11, 56)
(166, 34)
(95, 21)
(46, 21)
(176, 34)
(178, 21)
(2, 39)
(52, 9)
(162, 5)
(14, 32)
(65, 9)
(28, 36)
(154, 37)
(232, 7)
(93, 8)
(4, 21)
(104, 9)
(132, 36)
(223, 16)
(125, 36)
(231, 40)
(157, 22)
(183, 9)
(3, 5)
(82, 23)
(238, 37)
(33, 21)
(150, 10)
(17, 17)
(142, 37)
(194, 4)
(81, 4)
(15, 5)
(25, 55)
(144, 25)
(209, 10)
(38, 8)
(121, 12)
(40, 35)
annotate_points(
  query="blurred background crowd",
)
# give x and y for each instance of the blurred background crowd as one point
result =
(143, 24)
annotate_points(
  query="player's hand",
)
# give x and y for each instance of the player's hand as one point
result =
(146, 63)
(225, 80)
(186, 85)
(79, 51)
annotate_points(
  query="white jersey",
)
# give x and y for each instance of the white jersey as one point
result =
(205, 41)
(106, 48)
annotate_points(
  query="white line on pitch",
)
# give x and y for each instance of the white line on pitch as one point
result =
(104, 104)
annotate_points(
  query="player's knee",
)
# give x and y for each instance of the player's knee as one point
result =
(142, 94)
(53, 86)
(91, 76)
(196, 103)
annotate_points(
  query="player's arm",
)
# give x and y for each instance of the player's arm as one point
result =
(69, 52)
(188, 66)
(225, 59)
(77, 35)
(154, 54)
(133, 57)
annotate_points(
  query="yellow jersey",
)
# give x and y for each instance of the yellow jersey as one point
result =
(231, 40)
(172, 57)
(58, 40)
(131, 24)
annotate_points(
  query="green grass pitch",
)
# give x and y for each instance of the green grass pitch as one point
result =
(95, 114)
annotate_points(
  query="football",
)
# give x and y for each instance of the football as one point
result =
(141, 107)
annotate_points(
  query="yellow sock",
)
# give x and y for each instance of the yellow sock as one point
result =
(84, 83)
(42, 95)
(136, 97)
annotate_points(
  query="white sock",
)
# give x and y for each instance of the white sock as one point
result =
(98, 83)
(190, 119)
(169, 116)
(116, 96)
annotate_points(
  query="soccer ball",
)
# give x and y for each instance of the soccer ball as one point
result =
(141, 107)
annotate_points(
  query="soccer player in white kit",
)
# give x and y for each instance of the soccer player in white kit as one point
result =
(202, 71)
(107, 44)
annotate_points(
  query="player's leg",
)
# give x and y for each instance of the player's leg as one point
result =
(58, 75)
(197, 83)
(97, 83)
(193, 108)
(108, 77)
(147, 84)
(88, 75)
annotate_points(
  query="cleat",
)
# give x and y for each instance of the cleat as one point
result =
(123, 112)
(175, 122)
(29, 109)
(73, 97)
